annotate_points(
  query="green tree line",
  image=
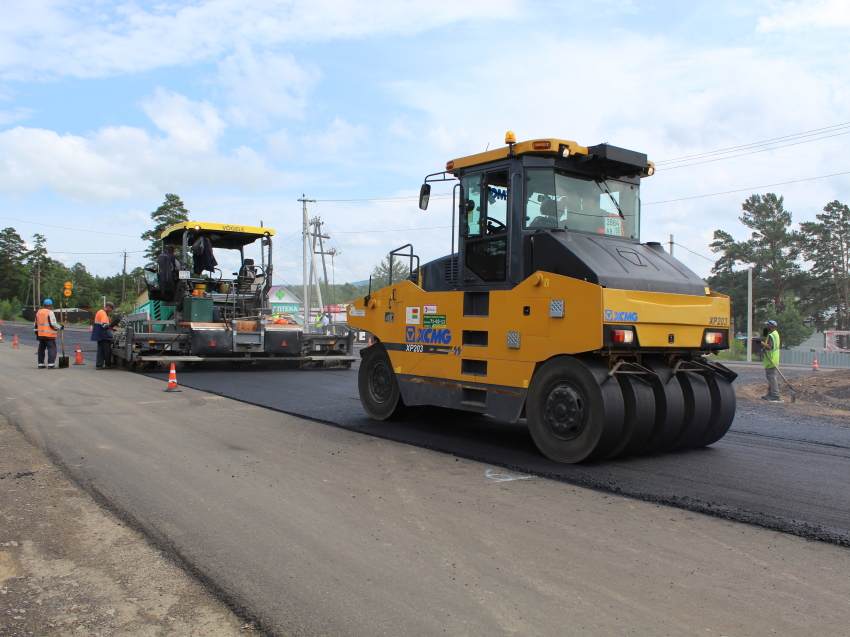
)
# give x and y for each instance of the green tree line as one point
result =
(801, 277)
(25, 268)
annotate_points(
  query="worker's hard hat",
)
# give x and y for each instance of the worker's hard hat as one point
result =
(48, 302)
(771, 323)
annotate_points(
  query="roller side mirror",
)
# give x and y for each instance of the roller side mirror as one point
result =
(424, 196)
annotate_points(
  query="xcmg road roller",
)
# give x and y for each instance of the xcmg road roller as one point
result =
(551, 309)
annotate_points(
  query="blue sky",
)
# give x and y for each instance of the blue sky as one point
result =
(240, 106)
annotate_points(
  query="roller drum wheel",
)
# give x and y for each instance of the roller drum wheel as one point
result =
(639, 406)
(378, 386)
(723, 402)
(697, 410)
(571, 415)
(669, 407)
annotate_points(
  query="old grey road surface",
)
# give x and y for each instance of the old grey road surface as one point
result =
(780, 471)
(318, 530)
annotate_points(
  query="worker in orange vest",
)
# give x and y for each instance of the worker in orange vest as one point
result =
(46, 328)
(102, 333)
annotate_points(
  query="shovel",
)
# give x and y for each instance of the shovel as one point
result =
(64, 361)
(790, 386)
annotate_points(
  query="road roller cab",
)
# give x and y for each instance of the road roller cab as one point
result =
(551, 308)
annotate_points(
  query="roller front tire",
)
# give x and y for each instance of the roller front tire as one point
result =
(571, 416)
(378, 386)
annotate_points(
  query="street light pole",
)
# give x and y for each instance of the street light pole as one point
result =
(750, 314)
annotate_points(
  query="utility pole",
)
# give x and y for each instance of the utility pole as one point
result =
(124, 279)
(324, 263)
(332, 252)
(306, 244)
(316, 222)
(750, 314)
(38, 284)
(671, 245)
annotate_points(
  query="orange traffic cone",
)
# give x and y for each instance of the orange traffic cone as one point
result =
(172, 380)
(815, 366)
(79, 360)
(91, 328)
(369, 342)
(1, 337)
(15, 342)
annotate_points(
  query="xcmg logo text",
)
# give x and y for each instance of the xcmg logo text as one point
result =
(428, 335)
(624, 317)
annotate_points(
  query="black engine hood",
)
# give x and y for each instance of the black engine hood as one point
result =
(610, 262)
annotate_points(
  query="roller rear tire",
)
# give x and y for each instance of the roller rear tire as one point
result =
(378, 385)
(669, 407)
(639, 403)
(697, 410)
(723, 402)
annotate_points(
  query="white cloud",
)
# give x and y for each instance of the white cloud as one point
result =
(49, 39)
(265, 84)
(14, 115)
(803, 16)
(279, 145)
(339, 137)
(120, 162)
(193, 126)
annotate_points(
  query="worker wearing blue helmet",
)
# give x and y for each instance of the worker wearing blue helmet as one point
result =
(771, 345)
(46, 328)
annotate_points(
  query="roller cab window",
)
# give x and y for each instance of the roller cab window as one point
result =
(555, 199)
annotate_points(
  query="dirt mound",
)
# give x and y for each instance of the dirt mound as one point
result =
(823, 394)
(831, 389)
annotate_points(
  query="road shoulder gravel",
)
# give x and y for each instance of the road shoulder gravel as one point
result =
(67, 566)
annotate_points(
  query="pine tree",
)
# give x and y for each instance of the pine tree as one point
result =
(13, 251)
(381, 273)
(773, 250)
(826, 243)
(171, 211)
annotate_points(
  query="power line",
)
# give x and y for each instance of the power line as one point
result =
(397, 230)
(750, 145)
(726, 192)
(692, 252)
(387, 199)
(708, 161)
(119, 252)
(66, 228)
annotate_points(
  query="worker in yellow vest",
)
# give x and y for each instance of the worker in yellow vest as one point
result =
(46, 328)
(771, 345)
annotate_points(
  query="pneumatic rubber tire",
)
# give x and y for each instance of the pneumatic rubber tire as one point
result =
(723, 402)
(697, 410)
(378, 385)
(639, 403)
(669, 407)
(571, 416)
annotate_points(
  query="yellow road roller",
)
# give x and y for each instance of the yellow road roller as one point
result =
(550, 308)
